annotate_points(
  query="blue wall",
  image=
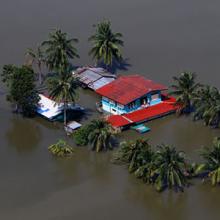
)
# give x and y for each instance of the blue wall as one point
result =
(115, 108)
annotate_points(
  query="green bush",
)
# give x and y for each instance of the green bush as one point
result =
(81, 135)
(61, 149)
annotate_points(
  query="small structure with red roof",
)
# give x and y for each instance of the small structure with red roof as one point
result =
(130, 93)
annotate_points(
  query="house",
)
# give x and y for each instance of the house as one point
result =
(130, 93)
(94, 77)
(50, 109)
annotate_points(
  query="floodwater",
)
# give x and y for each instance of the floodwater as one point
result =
(161, 39)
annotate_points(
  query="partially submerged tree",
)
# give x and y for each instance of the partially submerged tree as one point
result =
(100, 136)
(170, 169)
(81, 135)
(184, 90)
(62, 89)
(22, 90)
(106, 44)
(59, 49)
(210, 168)
(61, 149)
(164, 168)
(207, 105)
(36, 57)
(134, 153)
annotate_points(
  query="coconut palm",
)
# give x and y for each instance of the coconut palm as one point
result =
(106, 44)
(62, 89)
(61, 149)
(170, 168)
(59, 50)
(100, 136)
(207, 105)
(134, 153)
(184, 89)
(211, 166)
(37, 57)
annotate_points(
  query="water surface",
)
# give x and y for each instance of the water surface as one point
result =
(161, 39)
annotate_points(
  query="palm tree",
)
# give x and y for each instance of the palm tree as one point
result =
(134, 153)
(106, 44)
(184, 90)
(170, 169)
(61, 149)
(59, 50)
(207, 105)
(38, 58)
(100, 136)
(63, 90)
(211, 166)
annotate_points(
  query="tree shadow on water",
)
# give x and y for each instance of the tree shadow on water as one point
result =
(24, 134)
(116, 66)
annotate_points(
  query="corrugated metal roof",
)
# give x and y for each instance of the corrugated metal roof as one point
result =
(126, 89)
(100, 83)
(88, 76)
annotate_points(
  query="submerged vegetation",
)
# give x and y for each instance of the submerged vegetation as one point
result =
(63, 90)
(164, 168)
(59, 50)
(202, 100)
(61, 149)
(22, 90)
(36, 57)
(98, 135)
(184, 89)
(106, 44)
(210, 168)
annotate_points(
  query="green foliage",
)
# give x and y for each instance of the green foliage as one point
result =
(7, 74)
(185, 90)
(165, 168)
(61, 149)
(22, 91)
(36, 57)
(211, 166)
(62, 89)
(59, 51)
(106, 44)
(207, 105)
(81, 135)
(133, 153)
(170, 168)
(100, 136)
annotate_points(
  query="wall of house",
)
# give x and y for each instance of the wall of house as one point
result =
(115, 108)
(153, 100)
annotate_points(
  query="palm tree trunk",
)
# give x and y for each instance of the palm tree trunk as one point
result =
(40, 73)
(64, 119)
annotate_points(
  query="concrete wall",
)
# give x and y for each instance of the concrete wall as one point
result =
(115, 108)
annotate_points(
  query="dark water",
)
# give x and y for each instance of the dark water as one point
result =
(161, 39)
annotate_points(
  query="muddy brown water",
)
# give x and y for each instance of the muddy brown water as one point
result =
(161, 39)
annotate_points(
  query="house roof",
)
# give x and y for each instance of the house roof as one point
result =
(126, 89)
(94, 77)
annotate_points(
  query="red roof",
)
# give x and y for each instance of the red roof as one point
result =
(126, 89)
(155, 111)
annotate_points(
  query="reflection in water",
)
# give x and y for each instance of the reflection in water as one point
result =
(23, 134)
(165, 205)
(161, 39)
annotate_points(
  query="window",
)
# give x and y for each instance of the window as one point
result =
(155, 96)
(105, 99)
(131, 105)
(120, 106)
(112, 102)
